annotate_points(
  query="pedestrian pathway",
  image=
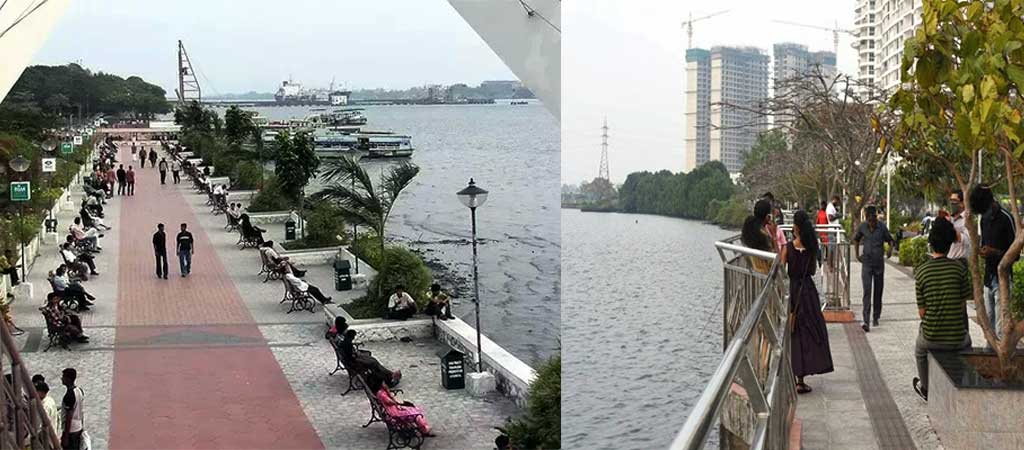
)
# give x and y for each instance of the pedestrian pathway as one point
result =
(868, 402)
(170, 335)
(212, 360)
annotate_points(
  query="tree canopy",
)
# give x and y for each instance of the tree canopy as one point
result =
(72, 89)
(679, 195)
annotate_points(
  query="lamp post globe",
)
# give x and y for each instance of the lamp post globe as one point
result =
(49, 145)
(19, 164)
(474, 197)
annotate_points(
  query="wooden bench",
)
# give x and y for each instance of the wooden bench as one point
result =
(350, 367)
(270, 270)
(402, 433)
(67, 302)
(247, 240)
(232, 224)
(300, 301)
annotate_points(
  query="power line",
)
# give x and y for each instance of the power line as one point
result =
(24, 14)
(533, 12)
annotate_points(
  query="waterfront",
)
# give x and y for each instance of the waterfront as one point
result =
(644, 295)
(513, 152)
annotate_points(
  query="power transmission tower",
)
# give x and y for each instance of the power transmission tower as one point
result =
(188, 85)
(603, 171)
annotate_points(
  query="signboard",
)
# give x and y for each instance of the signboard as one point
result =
(49, 164)
(78, 140)
(21, 191)
(66, 148)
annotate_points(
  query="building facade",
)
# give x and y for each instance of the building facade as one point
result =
(720, 85)
(881, 28)
(792, 60)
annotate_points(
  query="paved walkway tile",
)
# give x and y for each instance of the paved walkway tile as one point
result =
(202, 396)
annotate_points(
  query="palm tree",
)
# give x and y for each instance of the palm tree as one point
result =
(352, 190)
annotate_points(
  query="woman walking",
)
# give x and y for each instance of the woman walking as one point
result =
(811, 354)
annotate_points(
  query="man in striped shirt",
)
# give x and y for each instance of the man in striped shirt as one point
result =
(942, 287)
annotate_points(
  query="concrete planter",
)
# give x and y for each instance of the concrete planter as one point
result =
(269, 217)
(970, 411)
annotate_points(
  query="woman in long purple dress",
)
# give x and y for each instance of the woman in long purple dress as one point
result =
(811, 354)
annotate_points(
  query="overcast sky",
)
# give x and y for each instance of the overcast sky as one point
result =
(624, 59)
(252, 45)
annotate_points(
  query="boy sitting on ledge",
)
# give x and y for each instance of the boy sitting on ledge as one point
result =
(400, 305)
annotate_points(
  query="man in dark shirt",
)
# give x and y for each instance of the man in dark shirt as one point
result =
(160, 249)
(874, 235)
(122, 179)
(185, 250)
(997, 232)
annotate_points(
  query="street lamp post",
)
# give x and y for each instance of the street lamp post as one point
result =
(20, 164)
(473, 197)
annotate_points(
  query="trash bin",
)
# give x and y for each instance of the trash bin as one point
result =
(51, 225)
(453, 369)
(289, 230)
(342, 275)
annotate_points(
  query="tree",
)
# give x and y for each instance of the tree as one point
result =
(599, 192)
(679, 195)
(295, 163)
(840, 133)
(359, 202)
(960, 101)
(540, 427)
(238, 125)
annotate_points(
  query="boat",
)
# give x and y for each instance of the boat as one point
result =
(384, 145)
(338, 117)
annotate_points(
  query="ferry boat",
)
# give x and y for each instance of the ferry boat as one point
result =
(384, 145)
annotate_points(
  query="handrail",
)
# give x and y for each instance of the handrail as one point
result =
(735, 361)
(40, 430)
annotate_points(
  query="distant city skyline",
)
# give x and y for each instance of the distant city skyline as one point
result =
(626, 61)
(393, 44)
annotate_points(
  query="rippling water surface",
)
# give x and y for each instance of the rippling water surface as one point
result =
(642, 328)
(511, 151)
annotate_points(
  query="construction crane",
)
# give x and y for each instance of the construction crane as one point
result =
(188, 85)
(835, 32)
(688, 24)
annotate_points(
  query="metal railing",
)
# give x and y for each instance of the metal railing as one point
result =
(756, 357)
(23, 422)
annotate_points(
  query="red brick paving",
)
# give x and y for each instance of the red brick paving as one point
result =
(196, 397)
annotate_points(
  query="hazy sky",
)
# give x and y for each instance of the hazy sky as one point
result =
(625, 59)
(244, 45)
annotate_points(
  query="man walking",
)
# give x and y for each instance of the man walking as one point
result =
(874, 235)
(130, 177)
(71, 406)
(122, 179)
(142, 157)
(163, 170)
(160, 249)
(152, 158)
(997, 233)
(943, 287)
(176, 171)
(185, 250)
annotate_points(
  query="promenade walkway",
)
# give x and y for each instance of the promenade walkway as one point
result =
(868, 402)
(212, 360)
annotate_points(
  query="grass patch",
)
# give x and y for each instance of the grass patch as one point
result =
(364, 308)
(306, 243)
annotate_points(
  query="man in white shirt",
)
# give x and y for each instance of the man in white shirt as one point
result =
(281, 261)
(92, 236)
(400, 305)
(49, 405)
(72, 425)
(85, 262)
(832, 211)
(961, 248)
(302, 286)
(176, 171)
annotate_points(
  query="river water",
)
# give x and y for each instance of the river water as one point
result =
(643, 296)
(511, 151)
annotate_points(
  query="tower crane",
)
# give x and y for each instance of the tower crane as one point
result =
(835, 32)
(688, 24)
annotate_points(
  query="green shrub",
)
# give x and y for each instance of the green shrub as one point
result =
(270, 198)
(540, 427)
(367, 248)
(1017, 293)
(324, 224)
(402, 267)
(246, 176)
(732, 213)
(913, 251)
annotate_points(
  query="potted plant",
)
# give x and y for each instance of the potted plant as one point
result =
(960, 104)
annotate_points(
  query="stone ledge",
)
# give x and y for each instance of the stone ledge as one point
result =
(219, 180)
(269, 217)
(512, 375)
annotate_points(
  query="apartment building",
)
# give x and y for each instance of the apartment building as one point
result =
(881, 27)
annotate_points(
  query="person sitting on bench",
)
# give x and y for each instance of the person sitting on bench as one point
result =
(303, 286)
(90, 220)
(63, 286)
(69, 323)
(248, 229)
(400, 305)
(337, 332)
(440, 305)
(235, 211)
(85, 260)
(80, 234)
(366, 362)
(267, 248)
(404, 411)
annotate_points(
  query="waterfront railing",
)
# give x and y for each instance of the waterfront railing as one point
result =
(833, 277)
(23, 421)
(752, 392)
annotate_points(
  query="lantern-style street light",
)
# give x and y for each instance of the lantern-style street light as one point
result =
(473, 197)
(20, 164)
